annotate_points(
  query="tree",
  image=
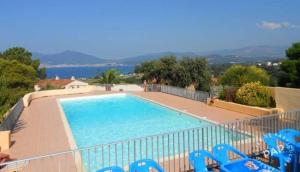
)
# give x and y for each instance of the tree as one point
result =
(182, 73)
(218, 70)
(291, 67)
(198, 71)
(16, 79)
(42, 74)
(16, 75)
(25, 57)
(158, 70)
(238, 75)
(147, 68)
(110, 76)
(293, 53)
(164, 69)
(21, 55)
(180, 76)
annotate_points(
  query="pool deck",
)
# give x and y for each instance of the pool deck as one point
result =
(40, 129)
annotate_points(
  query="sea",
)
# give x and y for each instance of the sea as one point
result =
(85, 72)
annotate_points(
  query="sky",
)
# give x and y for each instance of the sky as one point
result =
(124, 28)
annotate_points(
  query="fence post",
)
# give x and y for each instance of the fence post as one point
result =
(251, 138)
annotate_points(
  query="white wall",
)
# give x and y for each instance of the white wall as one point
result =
(127, 87)
(34, 95)
(76, 84)
(84, 89)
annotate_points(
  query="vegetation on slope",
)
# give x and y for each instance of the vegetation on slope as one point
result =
(291, 66)
(238, 75)
(182, 73)
(18, 74)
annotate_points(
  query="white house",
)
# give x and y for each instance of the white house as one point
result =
(76, 84)
(59, 84)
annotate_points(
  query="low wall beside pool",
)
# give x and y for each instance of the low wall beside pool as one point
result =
(286, 98)
(250, 110)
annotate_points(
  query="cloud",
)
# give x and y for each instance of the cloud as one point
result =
(269, 25)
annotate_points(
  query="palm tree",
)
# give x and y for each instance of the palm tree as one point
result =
(109, 77)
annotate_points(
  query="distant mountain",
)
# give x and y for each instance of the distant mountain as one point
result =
(241, 55)
(68, 58)
(251, 51)
(218, 59)
(153, 56)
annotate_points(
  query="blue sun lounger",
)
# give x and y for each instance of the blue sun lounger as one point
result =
(275, 151)
(111, 169)
(145, 165)
(242, 164)
(198, 160)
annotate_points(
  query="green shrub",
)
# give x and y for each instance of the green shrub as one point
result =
(228, 94)
(254, 94)
(8, 98)
(238, 75)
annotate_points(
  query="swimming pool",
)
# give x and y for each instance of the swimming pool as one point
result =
(99, 120)
(108, 118)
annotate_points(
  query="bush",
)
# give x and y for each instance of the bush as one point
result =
(238, 75)
(181, 73)
(228, 94)
(254, 94)
(8, 98)
(18, 74)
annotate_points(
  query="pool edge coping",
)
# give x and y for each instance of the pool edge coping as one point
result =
(178, 110)
(70, 137)
(67, 127)
(68, 130)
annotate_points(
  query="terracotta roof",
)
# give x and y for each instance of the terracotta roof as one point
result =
(60, 83)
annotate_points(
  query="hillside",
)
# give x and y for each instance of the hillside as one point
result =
(241, 55)
(153, 56)
(69, 58)
(251, 51)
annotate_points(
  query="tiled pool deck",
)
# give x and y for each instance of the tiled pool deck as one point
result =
(40, 129)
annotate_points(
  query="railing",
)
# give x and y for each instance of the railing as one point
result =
(194, 95)
(154, 87)
(12, 116)
(170, 149)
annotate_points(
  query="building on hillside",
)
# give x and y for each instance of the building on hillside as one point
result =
(48, 84)
(76, 84)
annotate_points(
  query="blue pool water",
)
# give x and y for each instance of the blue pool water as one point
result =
(98, 120)
(109, 118)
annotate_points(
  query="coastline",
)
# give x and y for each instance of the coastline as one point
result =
(83, 65)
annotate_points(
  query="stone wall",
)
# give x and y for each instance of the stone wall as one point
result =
(250, 110)
(286, 98)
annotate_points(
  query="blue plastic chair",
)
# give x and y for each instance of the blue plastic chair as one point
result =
(197, 160)
(222, 151)
(144, 165)
(111, 169)
(275, 152)
(290, 134)
(240, 165)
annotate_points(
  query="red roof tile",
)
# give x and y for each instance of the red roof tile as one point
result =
(60, 83)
